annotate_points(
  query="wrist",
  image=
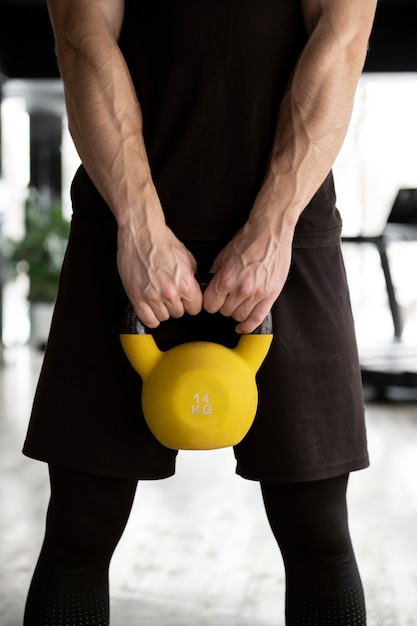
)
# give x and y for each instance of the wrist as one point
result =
(273, 211)
(141, 211)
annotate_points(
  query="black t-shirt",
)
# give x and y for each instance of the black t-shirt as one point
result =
(210, 76)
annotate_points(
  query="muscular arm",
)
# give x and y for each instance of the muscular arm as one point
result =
(105, 122)
(316, 111)
(312, 123)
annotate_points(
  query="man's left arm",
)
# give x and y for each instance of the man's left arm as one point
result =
(314, 116)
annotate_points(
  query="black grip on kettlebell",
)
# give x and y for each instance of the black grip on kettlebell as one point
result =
(203, 326)
(131, 324)
(265, 328)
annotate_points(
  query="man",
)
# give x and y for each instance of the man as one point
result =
(207, 133)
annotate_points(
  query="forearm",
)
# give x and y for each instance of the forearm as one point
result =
(105, 119)
(312, 124)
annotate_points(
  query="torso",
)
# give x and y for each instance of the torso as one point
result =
(210, 77)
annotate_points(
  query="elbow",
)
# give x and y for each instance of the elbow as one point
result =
(355, 52)
(75, 45)
(68, 47)
(345, 36)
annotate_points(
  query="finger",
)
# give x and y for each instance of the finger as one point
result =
(242, 310)
(190, 296)
(146, 315)
(213, 302)
(175, 309)
(165, 301)
(214, 297)
(240, 301)
(193, 305)
(254, 319)
(188, 299)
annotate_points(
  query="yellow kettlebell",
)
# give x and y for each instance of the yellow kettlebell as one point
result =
(199, 395)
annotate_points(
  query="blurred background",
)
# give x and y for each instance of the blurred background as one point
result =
(197, 549)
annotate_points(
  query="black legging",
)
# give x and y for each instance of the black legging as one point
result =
(310, 523)
(87, 515)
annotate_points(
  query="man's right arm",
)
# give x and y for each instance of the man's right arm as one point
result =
(105, 122)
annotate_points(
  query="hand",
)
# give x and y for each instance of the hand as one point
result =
(157, 272)
(250, 273)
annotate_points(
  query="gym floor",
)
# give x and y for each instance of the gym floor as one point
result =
(197, 550)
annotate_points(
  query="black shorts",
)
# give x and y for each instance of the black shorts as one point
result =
(87, 409)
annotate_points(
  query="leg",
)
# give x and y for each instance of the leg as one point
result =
(86, 518)
(310, 523)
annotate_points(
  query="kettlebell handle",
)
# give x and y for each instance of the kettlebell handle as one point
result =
(198, 394)
(133, 326)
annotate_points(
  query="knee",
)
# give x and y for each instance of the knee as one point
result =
(310, 523)
(327, 546)
(86, 517)
(73, 548)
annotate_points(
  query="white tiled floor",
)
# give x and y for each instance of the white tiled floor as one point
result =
(197, 550)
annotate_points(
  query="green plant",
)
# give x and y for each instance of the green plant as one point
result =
(41, 250)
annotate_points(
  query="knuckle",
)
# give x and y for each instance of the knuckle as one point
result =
(225, 283)
(245, 288)
(168, 293)
(150, 294)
